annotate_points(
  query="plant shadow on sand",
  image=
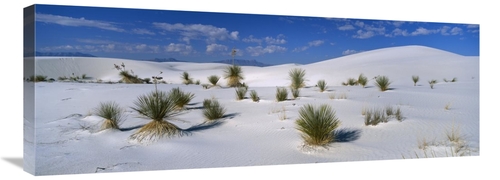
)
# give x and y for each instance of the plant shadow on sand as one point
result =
(346, 135)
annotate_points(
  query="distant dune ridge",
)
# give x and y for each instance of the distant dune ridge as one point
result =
(398, 63)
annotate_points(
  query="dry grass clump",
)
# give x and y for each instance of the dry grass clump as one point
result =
(295, 93)
(317, 124)
(254, 96)
(186, 78)
(213, 109)
(129, 78)
(112, 114)
(376, 116)
(281, 94)
(241, 92)
(37, 78)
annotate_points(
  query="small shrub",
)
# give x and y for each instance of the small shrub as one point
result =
(352, 82)
(62, 78)
(281, 94)
(447, 106)
(321, 85)
(415, 80)
(234, 75)
(317, 124)
(84, 76)
(129, 78)
(180, 98)
(213, 79)
(186, 79)
(295, 93)
(362, 80)
(240, 93)
(297, 76)
(112, 114)
(389, 111)
(38, 78)
(213, 110)
(432, 82)
(399, 115)
(254, 96)
(147, 80)
(453, 134)
(375, 116)
(445, 80)
(454, 79)
(205, 86)
(382, 82)
(197, 82)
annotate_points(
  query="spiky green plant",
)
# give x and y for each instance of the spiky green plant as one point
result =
(240, 93)
(234, 75)
(454, 79)
(147, 80)
(295, 93)
(129, 78)
(186, 79)
(254, 96)
(38, 78)
(213, 79)
(297, 76)
(352, 82)
(180, 98)
(362, 80)
(159, 107)
(432, 82)
(375, 116)
(112, 114)
(317, 124)
(399, 115)
(213, 109)
(321, 85)
(382, 82)
(62, 78)
(415, 80)
(281, 94)
(84, 76)
(389, 111)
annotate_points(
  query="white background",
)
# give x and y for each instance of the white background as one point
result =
(482, 167)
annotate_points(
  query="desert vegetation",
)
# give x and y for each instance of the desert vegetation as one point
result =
(281, 94)
(234, 75)
(213, 109)
(362, 80)
(241, 92)
(415, 80)
(382, 82)
(321, 85)
(37, 78)
(186, 78)
(254, 96)
(297, 77)
(317, 124)
(180, 98)
(375, 116)
(432, 82)
(213, 79)
(112, 114)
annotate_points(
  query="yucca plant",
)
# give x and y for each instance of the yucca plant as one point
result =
(297, 76)
(240, 93)
(295, 93)
(399, 115)
(234, 75)
(129, 78)
(213, 79)
(212, 109)
(159, 107)
(382, 82)
(112, 114)
(415, 80)
(147, 80)
(454, 79)
(186, 79)
(432, 82)
(254, 96)
(180, 98)
(362, 80)
(317, 124)
(281, 94)
(352, 82)
(321, 85)
(38, 78)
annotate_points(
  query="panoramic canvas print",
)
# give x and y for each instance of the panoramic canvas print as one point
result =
(118, 90)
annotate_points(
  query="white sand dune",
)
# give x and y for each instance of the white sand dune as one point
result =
(253, 133)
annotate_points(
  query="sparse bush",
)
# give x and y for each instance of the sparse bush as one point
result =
(112, 114)
(321, 85)
(84, 76)
(382, 82)
(234, 75)
(213, 79)
(399, 115)
(389, 111)
(445, 80)
(281, 94)
(240, 93)
(38, 78)
(453, 134)
(454, 79)
(447, 106)
(197, 82)
(362, 80)
(317, 124)
(186, 79)
(62, 78)
(147, 80)
(159, 107)
(295, 93)
(375, 116)
(254, 96)
(129, 78)
(180, 98)
(213, 110)
(415, 80)
(205, 86)
(352, 82)
(432, 82)
(297, 76)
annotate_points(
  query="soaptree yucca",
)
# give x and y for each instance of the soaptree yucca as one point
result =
(254, 96)
(234, 75)
(317, 124)
(321, 85)
(241, 92)
(415, 80)
(186, 79)
(362, 80)
(382, 82)
(213, 79)
(281, 94)
(129, 78)
(112, 114)
(213, 109)
(180, 98)
(297, 76)
(160, 108)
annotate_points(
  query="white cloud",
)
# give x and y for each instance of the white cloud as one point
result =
(185, 39)
(444, 30)
(142, 31)
(193, 31)
(398, 32)
(216, 47)
(179, 48)
(423, 31)
(364, 34)
(76, 22)
(259, 50)
(472, 26)
(378, 30)
(141, 46)
(349, 51)
(271, 40)
(456, 31)
(309, 44)
(252, 39)
(299, 49)
(316, 43)
(346, 27)
(398, 23)
(359, 23)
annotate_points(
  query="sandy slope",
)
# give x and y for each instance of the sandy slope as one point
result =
(253, 134)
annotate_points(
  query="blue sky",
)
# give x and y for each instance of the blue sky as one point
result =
(204, 37)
